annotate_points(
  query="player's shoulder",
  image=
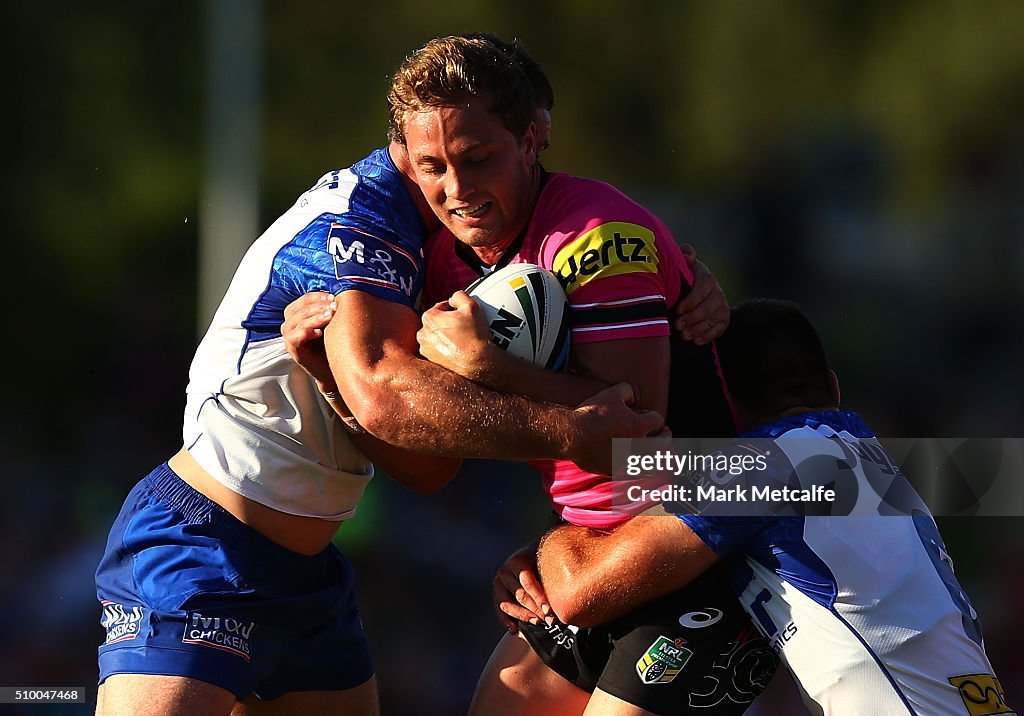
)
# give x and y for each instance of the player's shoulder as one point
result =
(368, 184)
(571, 208)
(589, 224)
(566, 193)
(368, 197)
(376, 165)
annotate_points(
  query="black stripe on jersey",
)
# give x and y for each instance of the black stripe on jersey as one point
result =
(561, 346)
(538, 290)
(617, 314)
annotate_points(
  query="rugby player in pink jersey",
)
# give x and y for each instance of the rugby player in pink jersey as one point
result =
(621, 270)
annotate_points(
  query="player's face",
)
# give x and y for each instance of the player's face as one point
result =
(479, 178)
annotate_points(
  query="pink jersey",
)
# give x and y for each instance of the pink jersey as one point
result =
(621, 270)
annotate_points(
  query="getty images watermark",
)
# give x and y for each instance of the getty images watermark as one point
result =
(807, 476)
(716, 484)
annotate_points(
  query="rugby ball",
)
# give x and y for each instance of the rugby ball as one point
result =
(527, 312)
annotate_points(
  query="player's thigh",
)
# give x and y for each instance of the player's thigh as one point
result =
(693, 651)
(358, 701)
(604, 704)
(515, 682)
(150, 695)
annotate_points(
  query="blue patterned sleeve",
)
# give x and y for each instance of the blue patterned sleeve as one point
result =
(333, 256)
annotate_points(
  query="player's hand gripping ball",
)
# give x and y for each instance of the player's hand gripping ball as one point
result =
(527, 313)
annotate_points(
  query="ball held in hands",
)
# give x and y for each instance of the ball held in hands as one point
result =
(527, 313)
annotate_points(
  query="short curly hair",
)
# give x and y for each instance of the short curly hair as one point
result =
(449, 71)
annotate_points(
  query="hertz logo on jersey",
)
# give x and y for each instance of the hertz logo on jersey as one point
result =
(611, 249)
(982, 694)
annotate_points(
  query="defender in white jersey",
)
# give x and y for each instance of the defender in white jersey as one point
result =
(219, 584)
(864, 609)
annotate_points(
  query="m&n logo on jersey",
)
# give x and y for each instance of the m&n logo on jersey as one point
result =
(362, 258)
(663, 661)
(610, 249)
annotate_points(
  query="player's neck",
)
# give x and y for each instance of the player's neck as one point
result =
(401, 159)
(491, 255)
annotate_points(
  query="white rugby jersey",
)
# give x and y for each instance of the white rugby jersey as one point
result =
(253, 419)
(864, 610)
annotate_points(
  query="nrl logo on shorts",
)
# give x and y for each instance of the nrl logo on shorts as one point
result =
(663, 661)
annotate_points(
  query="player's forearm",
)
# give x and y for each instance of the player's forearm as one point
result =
(406, 401)
(417, 405)
(409, 402)
(506, 373)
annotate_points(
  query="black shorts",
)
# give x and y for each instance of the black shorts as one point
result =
(692, 651)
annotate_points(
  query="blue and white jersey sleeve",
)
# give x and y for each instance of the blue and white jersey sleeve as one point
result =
(253, 419)
(365, 234)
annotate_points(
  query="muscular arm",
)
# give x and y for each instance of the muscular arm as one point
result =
(412, 403)
(455, 335)
(506, 373)
(591, 578)
(302, 331)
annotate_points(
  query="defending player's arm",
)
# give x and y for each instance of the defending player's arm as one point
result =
(517, 592)
(412, 403)
(591, 577)
(302, 330)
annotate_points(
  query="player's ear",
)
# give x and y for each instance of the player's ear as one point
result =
(542, 119)
(530, 149)
(833, 381)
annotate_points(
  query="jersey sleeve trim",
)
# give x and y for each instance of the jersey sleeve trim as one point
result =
(724, 535)
(621, 326)
(394, 247)
(621, 302)
(597, 314)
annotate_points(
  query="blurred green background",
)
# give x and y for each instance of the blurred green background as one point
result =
(864, 158)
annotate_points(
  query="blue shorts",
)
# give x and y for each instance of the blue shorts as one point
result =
(188, 590)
